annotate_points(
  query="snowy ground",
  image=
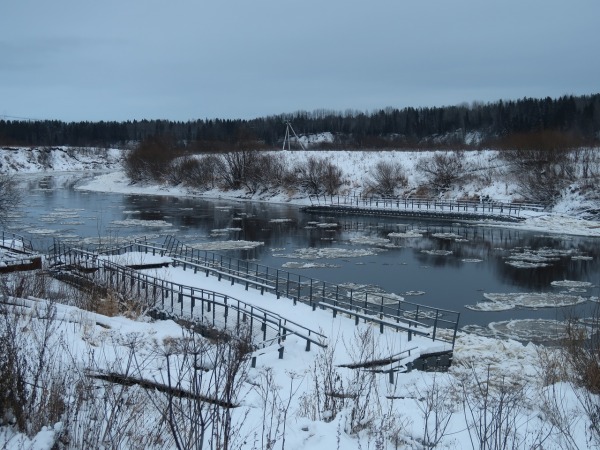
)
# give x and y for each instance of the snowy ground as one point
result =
(400, 410)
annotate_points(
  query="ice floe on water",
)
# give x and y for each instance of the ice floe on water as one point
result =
(308, 265)
(327, 225)
(372, 240)
(227, 245)
(506, 301)
(42, 231)
(448, 236)
(437, 252)
(526, 265)
(525, 330)
(471, 260)
(328, 253)
(280, 220)
(413, 293)
(582, 258)
(224, 231)
(531, 259)
(141, 223)
(572, 284)
(410, 234)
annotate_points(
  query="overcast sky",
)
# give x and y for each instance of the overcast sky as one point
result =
(193, 59)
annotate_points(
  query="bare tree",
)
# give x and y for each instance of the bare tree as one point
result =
(385, 178)
(442, 170)
(318, 176)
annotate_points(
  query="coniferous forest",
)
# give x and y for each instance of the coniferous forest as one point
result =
(568, 121)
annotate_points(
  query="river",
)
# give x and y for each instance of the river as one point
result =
(513, 279)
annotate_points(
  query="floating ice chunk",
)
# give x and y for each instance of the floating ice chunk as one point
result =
(471, 260)
(411, 234)
(308, 265)
(329, 253)
(227, 245)
(372, 240)
(413, 293)
(582, 258)
(526, 265)
(449, 236)
(220, 231)
(141, 223)
(327, 225)
(42, 231)
(280, 220)
(571, 284)
(506, 301)
(437, 252)
(526, 330)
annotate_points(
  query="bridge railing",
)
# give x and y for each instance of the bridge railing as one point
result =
(317, 293)
(15, 242)
(424, 204)
(214, 309)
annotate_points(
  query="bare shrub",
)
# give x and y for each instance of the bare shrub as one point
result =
(385, 178)
(10, 196)
(437, 408)
(150, 160)
(236, 169)
(581, 352)
(25, 284)
(200, 384)
(496, 413)
(275, 408)
(197, 173)
(32, 377)
(442, 170)
(541, 174)
(318, 176)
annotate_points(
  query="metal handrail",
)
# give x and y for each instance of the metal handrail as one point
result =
(312, 291)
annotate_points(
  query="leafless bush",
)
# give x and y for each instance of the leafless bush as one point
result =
(197, 173)
(361, 384)
(541, 174)
(201, 383)
(495, 413)
(25, 284)
(442, 170)
(581, 352)
(110, 410)
(437, 408)
(326, 398)
(352, 390)
(235, 169)
(32, 377)
(10, 196)
(385, 178)
(150, 160)
(275, 408)
(318, 176)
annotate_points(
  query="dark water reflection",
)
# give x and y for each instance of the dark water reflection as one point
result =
(53, 208)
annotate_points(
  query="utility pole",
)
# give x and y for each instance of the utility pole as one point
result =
(287, 137)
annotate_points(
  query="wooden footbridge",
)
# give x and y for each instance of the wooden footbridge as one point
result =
(17, 254)
(427, 208)
(216, 311)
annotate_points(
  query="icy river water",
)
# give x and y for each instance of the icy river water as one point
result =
(503, 281)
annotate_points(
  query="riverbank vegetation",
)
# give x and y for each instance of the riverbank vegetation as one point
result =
(538, 175)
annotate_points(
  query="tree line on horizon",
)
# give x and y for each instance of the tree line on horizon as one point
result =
(568, 121)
